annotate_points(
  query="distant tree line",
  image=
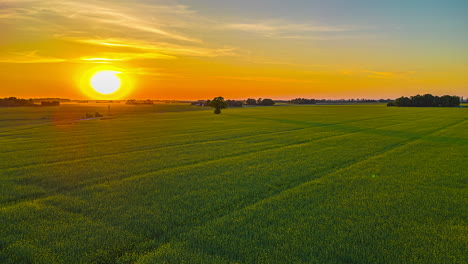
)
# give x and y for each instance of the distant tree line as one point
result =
(229, 103)
(357, 100)
(113, 101)
(40, 100)
(303, 101)
(16, 102)
(13, 101)
(137, 102)
(427, 100)
(259, 101)
(237, 103)
(50, 103)
(234, 103)
(333, 101)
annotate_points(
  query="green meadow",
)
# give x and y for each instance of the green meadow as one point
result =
(280, 184)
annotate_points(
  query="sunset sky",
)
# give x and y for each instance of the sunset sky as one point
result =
(198, 49)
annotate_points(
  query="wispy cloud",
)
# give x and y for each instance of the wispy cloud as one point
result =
(163, 49)
(265, 79)
(388, 75)
(280, 27)
(99, 60)
(28, 57)
(285, 29)
(155, 73)
(378, 74)
(120, 56)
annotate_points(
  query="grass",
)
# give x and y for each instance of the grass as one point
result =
(285, 184)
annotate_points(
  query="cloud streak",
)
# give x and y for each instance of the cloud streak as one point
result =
(28, 57)
(163, 49)
(388, 75)
(285, 29)
(120, 56)
(266, 79)
(378, 74)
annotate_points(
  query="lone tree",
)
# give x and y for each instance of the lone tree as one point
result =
(218, 103)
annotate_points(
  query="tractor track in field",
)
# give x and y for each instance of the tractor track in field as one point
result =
(115, 139)
(353, 130)
(303, 142)
(48, 121)
(85, 135)
(145, 174)
(192, 164)
(118, 140)
(201, 131)
(175, 145)
(358, 161)
(208, 161)
(119, 153)
(51, 123)
(346, 165)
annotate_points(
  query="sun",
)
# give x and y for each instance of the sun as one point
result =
(105, 82)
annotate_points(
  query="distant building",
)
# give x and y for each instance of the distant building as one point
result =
(200, 103)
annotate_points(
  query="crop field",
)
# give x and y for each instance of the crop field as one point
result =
(280, 184)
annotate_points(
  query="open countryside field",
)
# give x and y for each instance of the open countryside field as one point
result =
(281, 184)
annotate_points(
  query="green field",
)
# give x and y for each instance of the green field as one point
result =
(281, 184)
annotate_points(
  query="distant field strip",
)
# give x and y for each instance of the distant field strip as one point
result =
(131, 146)
(23, 158)
(123, 129)
(302, 184)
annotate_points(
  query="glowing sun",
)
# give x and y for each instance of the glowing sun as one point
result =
(105, 82)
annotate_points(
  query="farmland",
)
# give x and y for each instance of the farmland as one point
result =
(281, 184)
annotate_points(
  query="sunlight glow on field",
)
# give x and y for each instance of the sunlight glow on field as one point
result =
(105, 82)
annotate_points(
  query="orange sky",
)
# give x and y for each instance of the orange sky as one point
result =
(199, 49)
